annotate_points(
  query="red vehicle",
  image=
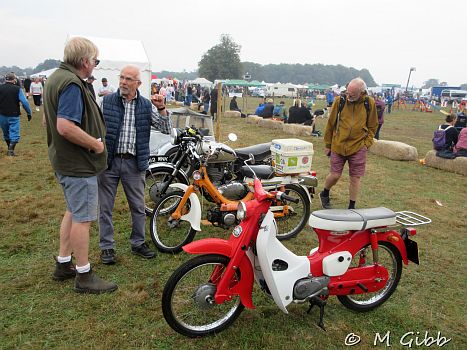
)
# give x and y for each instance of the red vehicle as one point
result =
(359, 259)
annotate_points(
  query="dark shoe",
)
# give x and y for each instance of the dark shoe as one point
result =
(11, 149)
(89, 282)
(144, 251)
(63, 271)
(325, 201)
(108, 256)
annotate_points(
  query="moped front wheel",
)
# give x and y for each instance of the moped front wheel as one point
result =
(390, 258)
(290, 223)
(168, 235)
(188, 298)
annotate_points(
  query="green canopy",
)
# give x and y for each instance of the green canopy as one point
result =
(235, 82)
(256, 83)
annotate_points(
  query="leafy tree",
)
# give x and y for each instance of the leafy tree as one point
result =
(430, 83)
(221, 61)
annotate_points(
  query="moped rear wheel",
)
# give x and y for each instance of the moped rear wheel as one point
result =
(188, 298)
(169, 236)
(294, 221)
(390, 258)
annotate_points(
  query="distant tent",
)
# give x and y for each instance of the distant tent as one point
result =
(203, 82)
(45, 73)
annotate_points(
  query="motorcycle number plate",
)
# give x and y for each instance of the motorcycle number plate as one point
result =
(412, 251)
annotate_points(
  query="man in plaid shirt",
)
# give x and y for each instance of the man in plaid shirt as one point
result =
(128, 117)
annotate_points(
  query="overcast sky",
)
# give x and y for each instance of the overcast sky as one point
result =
(386, 37)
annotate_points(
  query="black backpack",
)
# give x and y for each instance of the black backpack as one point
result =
(342, 101)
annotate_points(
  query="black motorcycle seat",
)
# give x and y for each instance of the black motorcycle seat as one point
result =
(352, 219)
(259, 151)
(264, 172)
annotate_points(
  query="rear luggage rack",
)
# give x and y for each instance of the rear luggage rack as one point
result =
(408, 218)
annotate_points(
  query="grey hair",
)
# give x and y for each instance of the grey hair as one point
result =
(133, 67)
(77, 49)
(360, 83)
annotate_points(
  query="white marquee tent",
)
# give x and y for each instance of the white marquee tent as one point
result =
(45, 73)
(114, 54)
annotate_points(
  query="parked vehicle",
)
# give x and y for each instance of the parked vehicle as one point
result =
(359, 259)
(282, 90)
(177, 216)
(179, 165)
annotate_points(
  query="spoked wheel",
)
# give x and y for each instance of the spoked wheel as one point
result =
(154, 180)
(168, 235)
(293, 221)
(390, 258)
(188, 298)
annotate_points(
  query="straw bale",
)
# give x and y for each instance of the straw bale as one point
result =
(253, 119)
(457, 165)
(232, 114)
(297, 129)
(394, 150)
(270, 124)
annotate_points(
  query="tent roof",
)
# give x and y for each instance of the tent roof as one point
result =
(115, 53)
(240, 82)
(201, 81)
(318, 87)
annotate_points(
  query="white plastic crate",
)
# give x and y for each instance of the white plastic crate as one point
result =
(291, 156)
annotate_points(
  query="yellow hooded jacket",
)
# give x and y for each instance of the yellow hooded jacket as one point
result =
(354, 129)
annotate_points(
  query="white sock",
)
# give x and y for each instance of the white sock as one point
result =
(83, 269)
(63, 259)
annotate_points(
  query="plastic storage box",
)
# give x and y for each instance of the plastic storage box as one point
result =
(291, 156)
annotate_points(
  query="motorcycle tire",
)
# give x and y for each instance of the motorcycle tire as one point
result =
(170, 236)
(290, 225)
(390, 258)
(188, 298)
(155, 177)
(188, 167)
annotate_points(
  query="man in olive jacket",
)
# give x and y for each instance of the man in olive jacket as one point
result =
(75, 134)
(347, 138)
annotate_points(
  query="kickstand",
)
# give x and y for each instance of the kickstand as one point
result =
(321, 303)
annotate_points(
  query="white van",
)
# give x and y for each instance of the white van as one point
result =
(282, 90)
(451, 95)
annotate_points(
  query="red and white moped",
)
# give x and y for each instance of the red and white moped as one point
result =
(359, 259)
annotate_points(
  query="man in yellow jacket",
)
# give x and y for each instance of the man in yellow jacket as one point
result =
(349, 133)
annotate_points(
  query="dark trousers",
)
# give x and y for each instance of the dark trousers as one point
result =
(133, 182)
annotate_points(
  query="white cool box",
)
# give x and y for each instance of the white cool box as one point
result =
(291, 156)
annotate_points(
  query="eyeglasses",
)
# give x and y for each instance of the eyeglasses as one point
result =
(127, 79)
(96, 62)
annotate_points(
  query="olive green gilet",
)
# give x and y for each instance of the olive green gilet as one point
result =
(66, 157)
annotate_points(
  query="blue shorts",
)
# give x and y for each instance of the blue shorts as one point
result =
(80, 196)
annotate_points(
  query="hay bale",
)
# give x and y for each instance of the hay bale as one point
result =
(179, 103)
(394, 150)
(232, 114)
(457, 165)
(253, 119)
(270, 124)
(297, 129)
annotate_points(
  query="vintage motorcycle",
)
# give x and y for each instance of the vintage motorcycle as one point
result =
(182, 159)
(359, 259)
(177, 216)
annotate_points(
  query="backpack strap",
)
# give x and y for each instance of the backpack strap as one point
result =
(342, 100)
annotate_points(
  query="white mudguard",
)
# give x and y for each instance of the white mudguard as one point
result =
(194, 215)
(269, 248)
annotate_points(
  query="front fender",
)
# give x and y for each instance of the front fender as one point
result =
(194, 215)
(223, 247)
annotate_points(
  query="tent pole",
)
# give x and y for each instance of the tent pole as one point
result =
(218, 113)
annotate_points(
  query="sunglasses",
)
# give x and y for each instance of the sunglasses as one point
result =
(96, 62)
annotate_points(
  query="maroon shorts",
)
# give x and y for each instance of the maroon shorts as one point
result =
(357, 162)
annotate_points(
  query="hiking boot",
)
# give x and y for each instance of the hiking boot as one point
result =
(325, 201)
(11, 149)
(63, 271)
(143, 251)
(108, 256)
(89, 282)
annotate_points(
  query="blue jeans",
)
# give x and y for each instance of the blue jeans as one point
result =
(10, 127)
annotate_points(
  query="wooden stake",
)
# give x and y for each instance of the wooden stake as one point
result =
(217, 133)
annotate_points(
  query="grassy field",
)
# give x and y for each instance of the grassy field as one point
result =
(38, 313)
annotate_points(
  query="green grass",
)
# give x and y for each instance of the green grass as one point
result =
(38, 313)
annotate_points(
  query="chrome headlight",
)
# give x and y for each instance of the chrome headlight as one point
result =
(175, 136)
(241, 211)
